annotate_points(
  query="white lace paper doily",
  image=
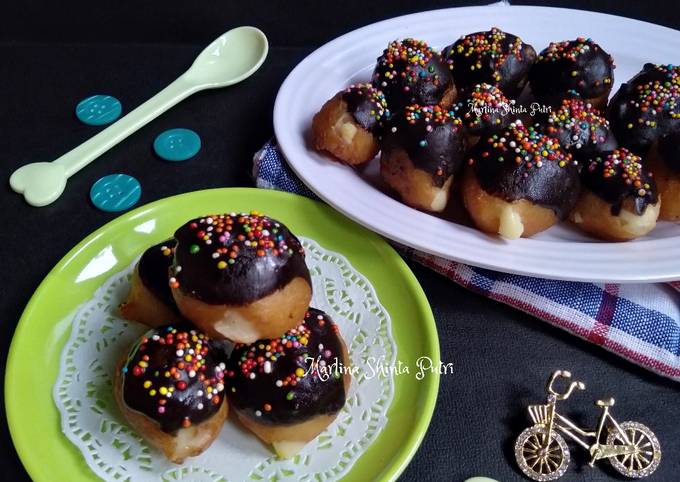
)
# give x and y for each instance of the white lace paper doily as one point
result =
(91, 420)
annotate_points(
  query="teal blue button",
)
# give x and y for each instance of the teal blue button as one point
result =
(177, 145)
(115, 192)
(98, 110)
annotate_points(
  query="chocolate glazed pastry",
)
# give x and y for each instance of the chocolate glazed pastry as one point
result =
(664, 161)
(350, 125)
(573, 65)
(240, 276)
(150, 300)
(520, 182)
(581, 129)
(421, 154)
(411, 72)
(169, 388)
(288, 389)
(619, 200)
(646, 107)
(493, 57)
(484, 111)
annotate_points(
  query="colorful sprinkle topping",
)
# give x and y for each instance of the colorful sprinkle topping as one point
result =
(567, 49)
(486, 103)
(578, 64)
(431, 114)
(576, 116)
(169, 373)
(526, 147)
(261, 356)
(626, 165)
(375, 95)
(285, 369)
(658, 96)
(407, 59)
(228, 236)
(488, 44)
(167, 251)
(377, 100)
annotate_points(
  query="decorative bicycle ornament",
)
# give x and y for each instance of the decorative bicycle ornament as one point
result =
(542, 453)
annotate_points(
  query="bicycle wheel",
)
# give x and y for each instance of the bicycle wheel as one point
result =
(539, 458)
(647, 456)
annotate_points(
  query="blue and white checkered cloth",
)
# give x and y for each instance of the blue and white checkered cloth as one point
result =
(639, 322)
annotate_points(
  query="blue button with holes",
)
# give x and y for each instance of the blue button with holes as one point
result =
(115, 192)
(98, 110)
(177, 145)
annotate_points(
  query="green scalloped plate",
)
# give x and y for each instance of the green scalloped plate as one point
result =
(44, 327)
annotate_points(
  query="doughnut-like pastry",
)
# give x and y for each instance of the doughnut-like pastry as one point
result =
(169, 388)
(411, 72)
(573, 65)
(646, 107)
(421, 154)
(150, 300)
(350, 124)
(664, 161)
(581, 129)
(484, 111)
(288, 389)
(619, 199)
(492, 57)
(519, 182)
(240, 276)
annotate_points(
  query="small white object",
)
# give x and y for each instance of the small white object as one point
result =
(229, 59)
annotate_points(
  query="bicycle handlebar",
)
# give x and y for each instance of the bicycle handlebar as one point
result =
(572, 386)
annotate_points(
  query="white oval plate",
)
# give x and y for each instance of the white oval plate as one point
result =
(560, 252)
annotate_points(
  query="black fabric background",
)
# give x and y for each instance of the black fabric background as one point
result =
(54, 53)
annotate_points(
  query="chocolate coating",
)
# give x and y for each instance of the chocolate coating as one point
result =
(646, 107)
(619, 175)
(521, 163)
(433, 139)
(411, 72)
(290, 379)
(190, 394)
(580, 65)
(669, 151)
(236, 259)
(492, 57)
(580, 128)
(484, 110)
(367, 106)
(153, 271)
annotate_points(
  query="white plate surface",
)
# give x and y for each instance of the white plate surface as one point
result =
(560, 252)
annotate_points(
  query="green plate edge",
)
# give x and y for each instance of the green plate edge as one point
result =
(33, 362)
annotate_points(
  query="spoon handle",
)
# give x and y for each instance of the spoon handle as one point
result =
(74, 160)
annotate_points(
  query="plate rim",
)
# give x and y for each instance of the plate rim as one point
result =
(287, 142)
(401, 457)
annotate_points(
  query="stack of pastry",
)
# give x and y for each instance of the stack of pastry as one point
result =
(449, 122)
(223, 279)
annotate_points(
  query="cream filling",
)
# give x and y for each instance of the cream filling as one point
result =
(234, 326)
(639, 225)
(439, 201)
(510, 225)
(286, 449)
(345, 128)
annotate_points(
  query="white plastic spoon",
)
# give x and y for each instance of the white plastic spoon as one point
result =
(229, 59)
